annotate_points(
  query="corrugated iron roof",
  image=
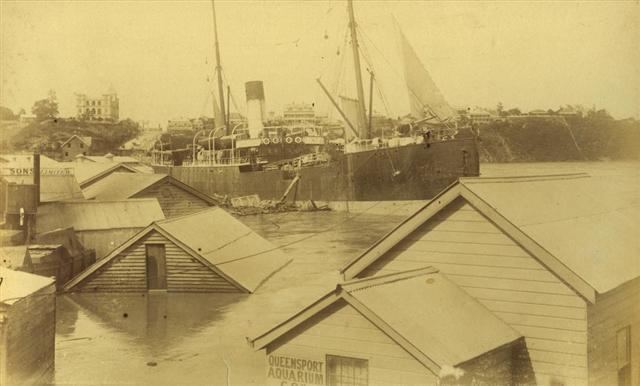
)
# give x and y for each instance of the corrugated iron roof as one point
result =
(52, 188)
(16, 285)
(591, 224)
(86, 171)
(424, 312)
(96, 215)
(120, 186)
(434, 315)
(25, 160)
(228, 244)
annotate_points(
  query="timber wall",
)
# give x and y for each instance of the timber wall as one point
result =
(476, 255)
(173, 200)
(127, 271)
(343, 331)
(613, 311)
(29, 339)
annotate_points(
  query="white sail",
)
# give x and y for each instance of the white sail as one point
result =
(424, 96)
(350, 108)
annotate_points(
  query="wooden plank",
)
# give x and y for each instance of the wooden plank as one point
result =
(552, 334)
(546, 345)
(559, 370)
(468, 248)
(526, 297)
(535, 309)
(469, 259)
(460, 237)
(512, 285)
(543, 321)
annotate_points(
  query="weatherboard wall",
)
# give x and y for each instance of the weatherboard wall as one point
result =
(174, 200)
(492, 268)
(27, 338)
(342, 331)
(613, 311)
(127, 271)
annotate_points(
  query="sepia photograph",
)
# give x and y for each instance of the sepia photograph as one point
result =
(320, 192)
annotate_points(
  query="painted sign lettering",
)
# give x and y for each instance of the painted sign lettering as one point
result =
(291, 371)
(43, 171)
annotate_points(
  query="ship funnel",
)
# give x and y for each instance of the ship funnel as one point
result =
(255, 107)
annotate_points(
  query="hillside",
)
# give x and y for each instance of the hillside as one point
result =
(47, 135)
(541, 139)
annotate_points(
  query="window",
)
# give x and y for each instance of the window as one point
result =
(66, 153)
(81, 145)
(344, 371)
(68, 144)
(623, 346)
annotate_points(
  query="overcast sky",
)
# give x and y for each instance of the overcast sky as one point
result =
(158, 54)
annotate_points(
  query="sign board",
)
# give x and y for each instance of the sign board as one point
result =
(286, 370)
(43, 171)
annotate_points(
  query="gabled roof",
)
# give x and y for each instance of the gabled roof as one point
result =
(87, 173)
(26, 161)
(583, 229)
(85, 215)
(414, 309)
(120, 186)
(219, 241)
(86, 140)
(16, 285)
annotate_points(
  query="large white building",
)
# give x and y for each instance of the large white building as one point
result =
(299, 114)
(104, 108)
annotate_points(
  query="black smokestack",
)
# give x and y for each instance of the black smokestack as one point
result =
(36, 176)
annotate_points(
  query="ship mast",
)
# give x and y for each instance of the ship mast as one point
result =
(219, 70)
(362, 114)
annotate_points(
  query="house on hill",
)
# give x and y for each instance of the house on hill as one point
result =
(75, 145)
(398, 328)
(556, 258)
(175, 197)
(27, 328)
(99, 225)
(207, 251)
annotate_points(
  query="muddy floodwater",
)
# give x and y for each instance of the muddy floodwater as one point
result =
(192, 339)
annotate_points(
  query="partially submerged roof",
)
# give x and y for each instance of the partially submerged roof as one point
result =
(414, 308)
(84, 215)
(584, 229)
(219, 241)
(120, 186)
(15, 285)
(89, 172)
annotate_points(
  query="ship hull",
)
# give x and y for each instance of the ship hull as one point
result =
(411, 172)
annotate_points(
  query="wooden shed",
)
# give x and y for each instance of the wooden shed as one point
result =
(27, 328)
(393, 329)
(16, 258)
(555, 257)
(176, 198)
(207, 251)
(99, 225)
(52, 260)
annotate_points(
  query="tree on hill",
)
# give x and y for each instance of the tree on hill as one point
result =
(45, 109)
(6, 114)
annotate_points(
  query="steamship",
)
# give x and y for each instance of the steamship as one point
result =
(421, 159)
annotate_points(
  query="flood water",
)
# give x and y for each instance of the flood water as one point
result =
(198, 339)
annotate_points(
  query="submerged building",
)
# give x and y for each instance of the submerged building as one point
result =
(207, 251)
(27, 328)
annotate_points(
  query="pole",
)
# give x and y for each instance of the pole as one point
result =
(335, 104)
(370, 100)
(218, 66)
(362, 114)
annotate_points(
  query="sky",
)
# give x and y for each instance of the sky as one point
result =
(159, 57)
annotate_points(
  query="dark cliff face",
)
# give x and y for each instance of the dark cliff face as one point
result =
(542, 139)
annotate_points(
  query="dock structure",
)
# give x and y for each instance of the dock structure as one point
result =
(27, 328)
(554, 257)
(397, 328)
(206, 251)
(175, 197)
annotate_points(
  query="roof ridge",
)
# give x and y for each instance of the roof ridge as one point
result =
(367, 282)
